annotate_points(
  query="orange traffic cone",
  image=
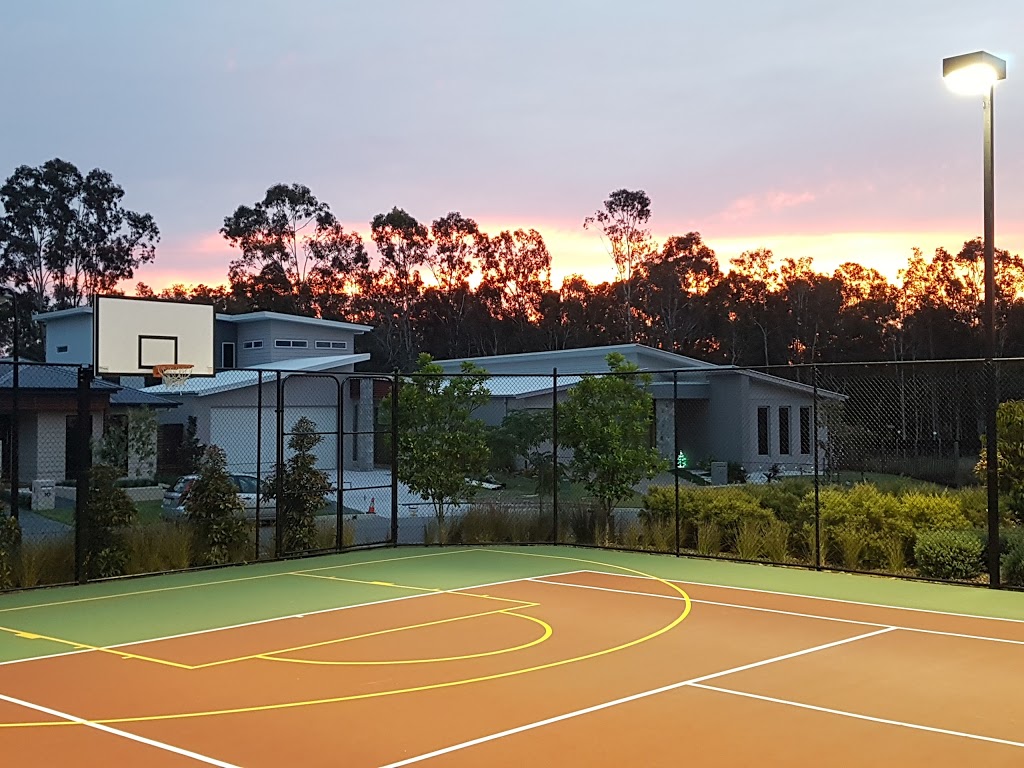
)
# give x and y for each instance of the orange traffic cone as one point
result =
(372, 511)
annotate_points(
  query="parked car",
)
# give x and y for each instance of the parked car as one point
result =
(246, 487)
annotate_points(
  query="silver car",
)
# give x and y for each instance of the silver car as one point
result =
(246, 487)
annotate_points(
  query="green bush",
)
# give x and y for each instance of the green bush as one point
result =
(948, 554)
(785, 498)
(934, 511)
(1013, 563)
(45, 561)
(216, 512)
(110, 512)
(10, 539)
(159, 547)
(304, 489)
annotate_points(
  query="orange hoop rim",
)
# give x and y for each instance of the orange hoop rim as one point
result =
(158, 370)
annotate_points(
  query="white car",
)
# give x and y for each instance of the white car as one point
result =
(246, 487)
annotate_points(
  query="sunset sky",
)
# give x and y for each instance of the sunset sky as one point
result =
(813, 128)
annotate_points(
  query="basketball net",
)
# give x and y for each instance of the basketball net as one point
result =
(173, 376)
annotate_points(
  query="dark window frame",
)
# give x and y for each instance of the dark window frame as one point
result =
(805, 430)
(763, 432)
(785, 443)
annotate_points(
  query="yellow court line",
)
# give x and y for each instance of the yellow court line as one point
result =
(453, 591)
(687, 605)
(222, 581)
(548, 632)
(267, 654)
(87, 647)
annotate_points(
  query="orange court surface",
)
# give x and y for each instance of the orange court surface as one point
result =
(486, 657)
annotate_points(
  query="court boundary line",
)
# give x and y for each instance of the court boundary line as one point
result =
(741, 606)
(118, 732)
(812, 597)
(632, 697)
(220, 581)
(114, 647)
(859, 716)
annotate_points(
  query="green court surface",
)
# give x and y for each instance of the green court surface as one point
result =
(59, 620)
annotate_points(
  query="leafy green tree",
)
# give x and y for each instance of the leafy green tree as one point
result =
(392, 292)
(623, 219)
(190, 453)
(66, 236)
(129, 443)
(10, 540)
(294, 254)
(110, 512)
(519, 436)
(305, 489)
(1009, 456)
(441, 446)
(213, 507)
(606, 421)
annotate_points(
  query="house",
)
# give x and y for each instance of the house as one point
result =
(257, 355)
(720, 413)
(47, 407)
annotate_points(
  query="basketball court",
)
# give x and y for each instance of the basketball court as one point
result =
(502, 657)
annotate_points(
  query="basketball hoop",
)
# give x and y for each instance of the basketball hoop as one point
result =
(173, 376)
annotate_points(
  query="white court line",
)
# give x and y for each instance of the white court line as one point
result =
(742, 607)
(627, 699)
(856, 716)
(116, 732)
(115, 595)
(453, 591)
(809, 597)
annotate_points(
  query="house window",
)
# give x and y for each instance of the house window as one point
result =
(805, 429)
(257, 344)
(784, 430)
(762, 430)
(331, 345)
(227, 354)
(292, 343)
(62, 348)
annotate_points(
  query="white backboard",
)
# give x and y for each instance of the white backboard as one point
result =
(132, 335)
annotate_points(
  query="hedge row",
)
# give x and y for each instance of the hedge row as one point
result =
(861, 527)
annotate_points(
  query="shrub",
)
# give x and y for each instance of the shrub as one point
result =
(1013, 563)
(709, 538)
(304, 489)
(45, 561)
(159, 547)
(215, 510)
(934, 511)
(109, 513)
(776, 541)
(948, 554)
(750, 539)
(10, 539)
(785, 498)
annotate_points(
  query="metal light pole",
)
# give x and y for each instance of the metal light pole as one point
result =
(976, 74)
(15, 387)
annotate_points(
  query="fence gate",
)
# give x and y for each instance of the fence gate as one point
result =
(344, 422)
(368, 491)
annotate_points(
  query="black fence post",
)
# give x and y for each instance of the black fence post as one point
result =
(554, 454)
(817, 471)
(992, 470)
(259, 457)
(279, 491)
(344, 387)
(15, 431)
(675, 452)
(394, 458)
(83, 462)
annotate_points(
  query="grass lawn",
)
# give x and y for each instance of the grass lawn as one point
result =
(149, 512)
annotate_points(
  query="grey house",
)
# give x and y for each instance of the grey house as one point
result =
(720, 413)
(47, 408)
(237, 408)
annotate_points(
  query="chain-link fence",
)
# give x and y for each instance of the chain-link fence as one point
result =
(875, 467)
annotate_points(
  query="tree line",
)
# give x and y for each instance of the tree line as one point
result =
(452, 290)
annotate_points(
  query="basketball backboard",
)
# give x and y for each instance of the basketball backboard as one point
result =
(131, 336)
